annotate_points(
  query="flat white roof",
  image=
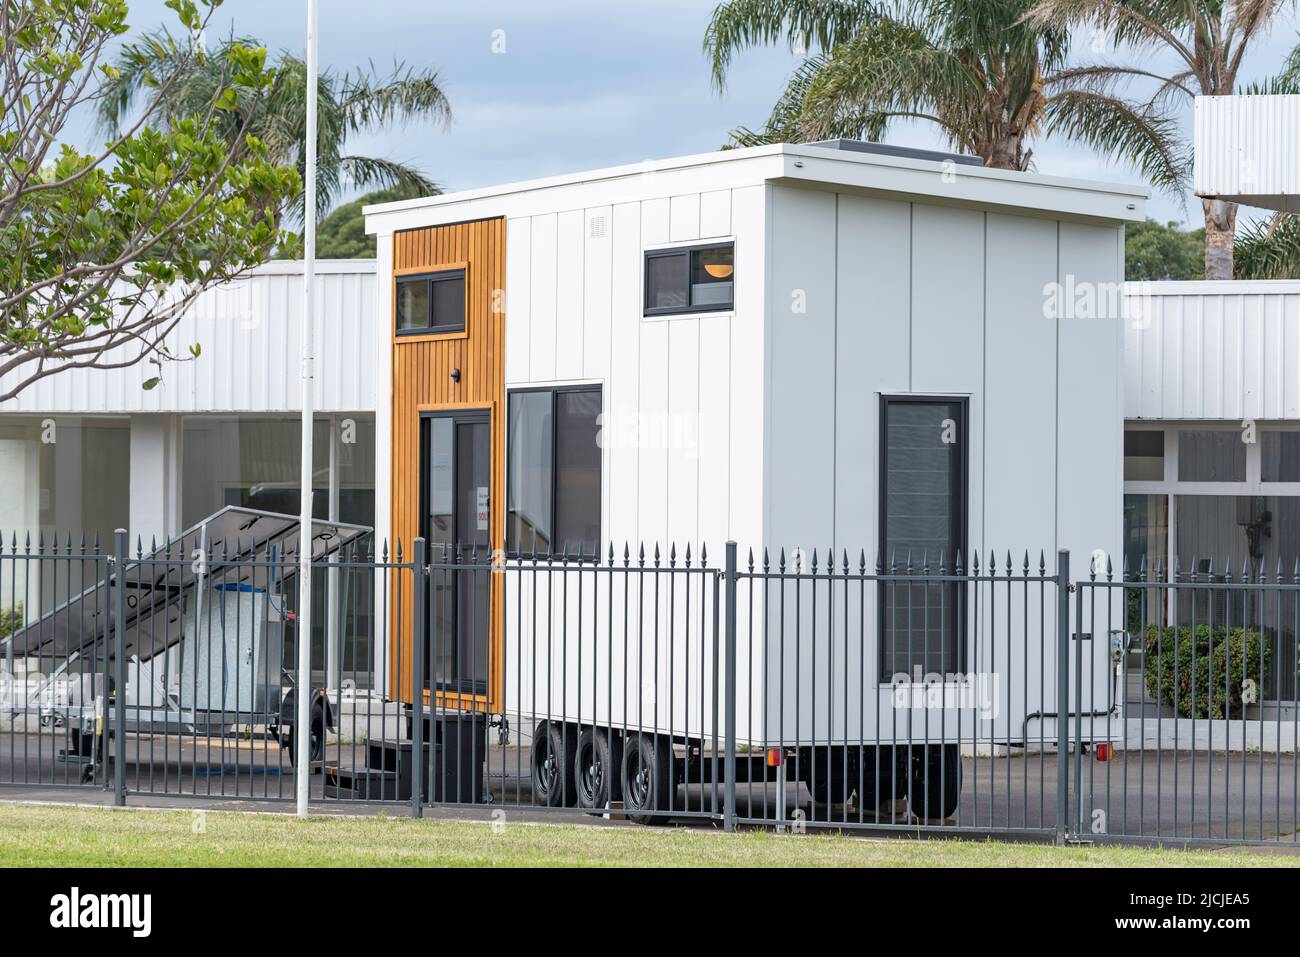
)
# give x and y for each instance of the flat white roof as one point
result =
(803, 165)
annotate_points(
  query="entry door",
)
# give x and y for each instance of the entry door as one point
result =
(456, 511)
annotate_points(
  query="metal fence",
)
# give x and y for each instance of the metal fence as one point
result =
(789, 689)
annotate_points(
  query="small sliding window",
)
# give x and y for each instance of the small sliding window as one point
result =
(431, 302)
(687, 279)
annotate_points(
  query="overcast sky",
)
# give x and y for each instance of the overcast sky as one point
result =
(580, 84)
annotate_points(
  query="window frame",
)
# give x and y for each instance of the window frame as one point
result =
(962, 522)
(554, 391)
(688, 251)
(448, 273)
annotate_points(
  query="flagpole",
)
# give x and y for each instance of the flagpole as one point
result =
(302, 727)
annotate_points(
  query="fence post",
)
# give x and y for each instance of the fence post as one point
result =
(419, 593)
(119, 668)
(729, 653)
(1062, 692)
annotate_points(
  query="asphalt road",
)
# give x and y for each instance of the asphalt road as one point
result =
(1170, 796)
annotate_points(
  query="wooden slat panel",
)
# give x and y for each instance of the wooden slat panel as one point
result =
(422, 380)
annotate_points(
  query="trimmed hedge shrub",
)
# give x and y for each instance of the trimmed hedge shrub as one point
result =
(1216, 662)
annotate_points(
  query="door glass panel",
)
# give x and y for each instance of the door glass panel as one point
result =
(473, 482)
(440, 533)
(458, 521)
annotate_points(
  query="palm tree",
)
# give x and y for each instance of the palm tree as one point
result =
(347, 103)
(1208, 40)
(977, 69)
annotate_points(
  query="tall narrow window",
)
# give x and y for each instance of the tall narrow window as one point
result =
(553, 472)
(923, 460)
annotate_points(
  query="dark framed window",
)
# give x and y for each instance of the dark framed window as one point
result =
(431, 302)
(690, 279)
(553, 471)
(924, 467)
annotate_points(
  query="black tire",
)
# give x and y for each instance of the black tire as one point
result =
(316, 749)
(828, 780)
(647, 778)
(596, 767)
(936, 781)
(554, 745)
(881, 776)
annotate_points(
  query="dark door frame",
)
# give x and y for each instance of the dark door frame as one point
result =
(466, 415)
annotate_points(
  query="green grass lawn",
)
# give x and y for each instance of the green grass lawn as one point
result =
(77, 836)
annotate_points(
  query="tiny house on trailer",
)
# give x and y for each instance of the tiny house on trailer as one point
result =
(835, 347)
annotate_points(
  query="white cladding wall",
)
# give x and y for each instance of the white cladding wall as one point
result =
(682, 396)
(1212, 350)
(1245, 149)
(913, 298)
(681, 443)
(251, 359)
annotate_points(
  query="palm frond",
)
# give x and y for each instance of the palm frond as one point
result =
(738, 24)
(1268, 249)
(893, 67)
(369, 172)
(1147, 139)
(368, 100)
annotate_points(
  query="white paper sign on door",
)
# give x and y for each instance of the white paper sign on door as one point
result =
(482, 509)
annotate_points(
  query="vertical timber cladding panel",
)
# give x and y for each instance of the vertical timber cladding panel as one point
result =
(422, 368)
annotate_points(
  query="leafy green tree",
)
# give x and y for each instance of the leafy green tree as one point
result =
(349, 103)
(101, 252)
(978, 69)
(342, 234)
(1157, 251)
(1206, 40)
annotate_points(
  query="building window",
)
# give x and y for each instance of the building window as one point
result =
(1211, 455)
(690, 279)
(431, 302)
(1144, 455)
(553, 472)
(923, 465)
(1279, 455)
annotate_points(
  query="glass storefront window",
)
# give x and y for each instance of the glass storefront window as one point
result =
(61, 477)
(1221, 538)
(253, 461)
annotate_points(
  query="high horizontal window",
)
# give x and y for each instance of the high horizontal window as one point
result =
(431, 302)
(1144, 455)
(553, 472)
(690, 279)
(1211, 455)
(1279, 456)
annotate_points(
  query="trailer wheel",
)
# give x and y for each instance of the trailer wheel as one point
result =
(552, 764)
(316, 747)
(596, 769)
(936, 781)
(824, 774)
(647, 778)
